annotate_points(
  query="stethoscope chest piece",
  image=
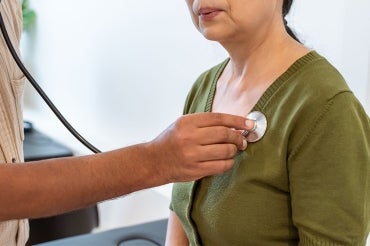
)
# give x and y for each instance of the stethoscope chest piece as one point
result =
(259, 129)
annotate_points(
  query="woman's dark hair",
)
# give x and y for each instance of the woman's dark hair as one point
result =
(287, 4)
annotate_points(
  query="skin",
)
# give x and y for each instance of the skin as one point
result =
(194, 146)
(260, 50)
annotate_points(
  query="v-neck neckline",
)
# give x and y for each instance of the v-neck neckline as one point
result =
(270, 90)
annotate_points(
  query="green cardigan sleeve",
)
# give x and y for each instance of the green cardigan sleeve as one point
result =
(330, 179)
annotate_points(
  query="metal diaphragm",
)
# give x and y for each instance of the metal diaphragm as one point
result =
(259, 129)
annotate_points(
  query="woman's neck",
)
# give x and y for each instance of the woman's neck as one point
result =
(262, 62)
(251, 71)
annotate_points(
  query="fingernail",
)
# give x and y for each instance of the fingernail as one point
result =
(249, 124)
(244, 144)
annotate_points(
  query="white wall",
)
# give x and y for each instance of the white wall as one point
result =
(340, 30)
(123, 64)
(120, 70)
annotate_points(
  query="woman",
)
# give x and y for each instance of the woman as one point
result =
(307, 181)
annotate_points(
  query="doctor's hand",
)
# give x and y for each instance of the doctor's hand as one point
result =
(194, 146)
(198, 145)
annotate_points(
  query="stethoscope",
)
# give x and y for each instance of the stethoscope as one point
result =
(259, 128)
(254, 135)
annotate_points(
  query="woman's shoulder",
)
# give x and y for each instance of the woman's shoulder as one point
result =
(314, 78)
(314, 70)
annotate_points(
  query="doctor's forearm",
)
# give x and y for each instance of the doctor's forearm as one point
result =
(58, 185)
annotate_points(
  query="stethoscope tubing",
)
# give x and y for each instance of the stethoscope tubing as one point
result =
(39, 90)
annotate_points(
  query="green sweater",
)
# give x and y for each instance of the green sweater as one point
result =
(307, 182)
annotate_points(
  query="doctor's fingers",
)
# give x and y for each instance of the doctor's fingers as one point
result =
(215, 167)
(219, 119)
(221, 135)
(216, 152)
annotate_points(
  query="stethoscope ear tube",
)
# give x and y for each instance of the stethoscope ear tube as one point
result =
(40, 91)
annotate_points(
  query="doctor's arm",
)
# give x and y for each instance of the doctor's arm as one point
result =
(194, 146)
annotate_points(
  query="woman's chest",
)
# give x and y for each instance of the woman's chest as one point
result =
(235, 99)
(247, 206)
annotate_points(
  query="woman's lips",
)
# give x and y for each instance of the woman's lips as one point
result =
(207, 14)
